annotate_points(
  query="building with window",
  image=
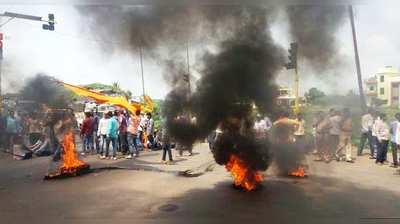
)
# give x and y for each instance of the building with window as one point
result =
(370, 90)
(285, 98)
(384, 87)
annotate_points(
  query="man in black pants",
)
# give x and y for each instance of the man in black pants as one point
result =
(367, 122)
(393, 130)
(382, 134)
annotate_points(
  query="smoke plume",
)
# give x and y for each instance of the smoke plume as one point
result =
(43, 89)
(314, 28)
(238, 75)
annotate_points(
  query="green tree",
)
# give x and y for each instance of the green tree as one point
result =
(314, 95)
(116, 85)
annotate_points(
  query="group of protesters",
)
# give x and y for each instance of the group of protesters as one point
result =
(127, 132)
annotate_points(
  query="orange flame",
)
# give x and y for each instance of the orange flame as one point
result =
(244, 176)
(300, 172)
(71, 162)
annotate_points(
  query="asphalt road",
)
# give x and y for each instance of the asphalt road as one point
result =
(151, 190)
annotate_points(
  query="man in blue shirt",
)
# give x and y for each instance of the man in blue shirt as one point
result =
(112, 136)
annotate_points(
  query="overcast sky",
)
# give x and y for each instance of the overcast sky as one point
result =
(69, 56)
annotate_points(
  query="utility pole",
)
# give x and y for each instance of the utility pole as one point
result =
(360, 86)
(293, 65)
(141, 65)
(188, 64)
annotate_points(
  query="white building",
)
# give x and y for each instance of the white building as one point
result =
(285, 97)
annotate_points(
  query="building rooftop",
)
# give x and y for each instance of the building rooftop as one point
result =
(371, 80)
(388, 69)
(284, 88)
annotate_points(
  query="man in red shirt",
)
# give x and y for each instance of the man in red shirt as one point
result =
(87, 134)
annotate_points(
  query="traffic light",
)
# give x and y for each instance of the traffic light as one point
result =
(186, 78)
(292, 57)
(1, 46)
(51, 22)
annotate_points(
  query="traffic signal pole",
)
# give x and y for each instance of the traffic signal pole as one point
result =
(22, 16)
(293, 65)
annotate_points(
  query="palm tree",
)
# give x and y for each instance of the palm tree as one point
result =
(116, 85)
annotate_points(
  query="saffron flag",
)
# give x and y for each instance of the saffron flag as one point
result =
(115, 100)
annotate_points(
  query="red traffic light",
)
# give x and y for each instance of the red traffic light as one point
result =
(1, 36)
(1, 43)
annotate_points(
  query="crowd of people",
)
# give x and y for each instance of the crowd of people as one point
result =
(129, 133)
(333, 134)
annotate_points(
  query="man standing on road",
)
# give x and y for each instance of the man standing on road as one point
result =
(134, 123)
(166, 144)
(268, 123)
(102, 132)
(260, 128)
(377, 121)
(142, 127)
(86, 134)
(322, 125)
(367, 121)
(382, 134)
(150, 131)
(11, 130)
(112, 136)
(301, 128)
(345, 135)
(393, 140)
(34, 129)
(334, 133)
(123, 133)
(96, 121)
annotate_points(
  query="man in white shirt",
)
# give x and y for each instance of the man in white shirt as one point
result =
(102, 132)
(381, 130)
(367, 121)
(374, 139)
(268, 123)
(260, 128)
(301, 127)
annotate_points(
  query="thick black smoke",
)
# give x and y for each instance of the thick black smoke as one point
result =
(314, 27)
(44, 89)
(240, 74)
